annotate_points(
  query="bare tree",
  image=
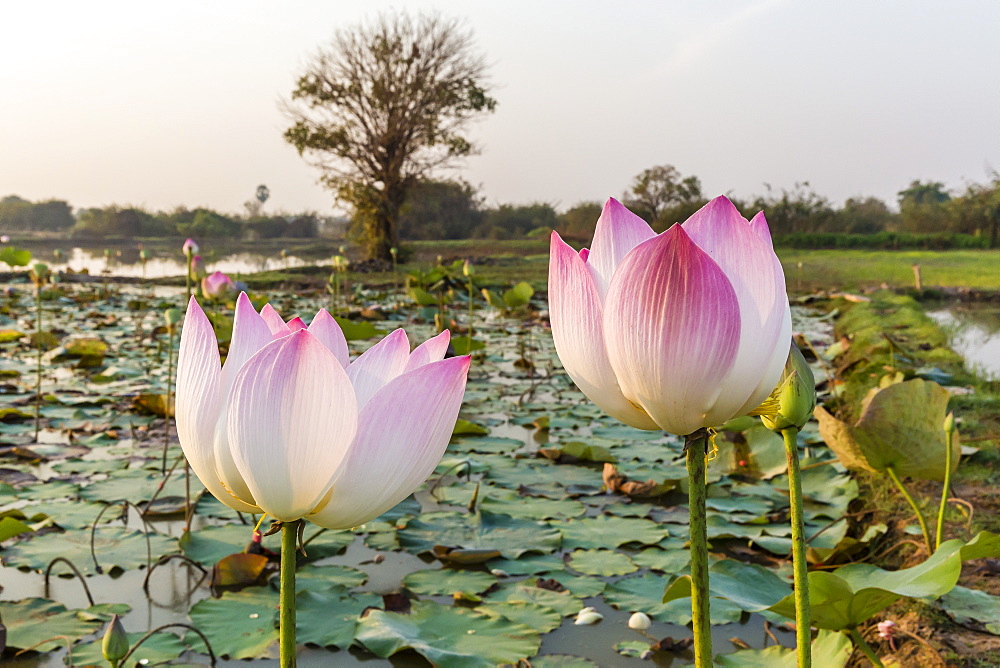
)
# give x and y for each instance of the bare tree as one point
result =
(381, 107)
(657, 188)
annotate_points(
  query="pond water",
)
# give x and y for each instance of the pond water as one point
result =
(505, 395)
(974, 333)
(125, 262)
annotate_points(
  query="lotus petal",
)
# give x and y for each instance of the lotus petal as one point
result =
(577, 329)
(326, 329)
(431, 350)
(378, 365)
(292, 417)
(274, 320)
(618, 231)
(391, 457)
(672, 328)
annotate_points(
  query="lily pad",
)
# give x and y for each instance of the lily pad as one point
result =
(116, 547)
(239, 625)
(32, 620)
(526, 591)
(483, 530)
(601, 562)
(159, 648)
(447, 582)
(447, 636)
(604, 532)
(329, 618)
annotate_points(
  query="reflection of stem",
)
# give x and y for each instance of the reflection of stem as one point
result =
(865, 648)
(146, 530)
(803, 637)
(38, 371)
(76, 571)
(286, 622)
(696, 448)
(913, 504)
(164, 559)
(949, 435)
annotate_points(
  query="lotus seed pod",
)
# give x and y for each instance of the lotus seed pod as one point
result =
(172, 316)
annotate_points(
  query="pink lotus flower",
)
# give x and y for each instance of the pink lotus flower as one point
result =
(290, 427)
(676, 331)
(217, 285)
(190, 247)
(198, 270)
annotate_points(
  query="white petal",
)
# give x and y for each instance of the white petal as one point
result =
(618, 231)
(198, 400)
(577, 330)
(273, 320)
(326, 329)
(672, 323)
(431, 350)
(749, 262)
(378, 365)
(292, 417)
(402, 433)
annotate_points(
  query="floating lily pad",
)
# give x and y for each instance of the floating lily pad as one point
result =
(116, 547)
(829, 650)
(32, 620)
(483, 530)
(970, 605)
(534, 616)
(601, 562)
(448, 636)
(604, 532)
(329, 618)
(644, 593)
(447, 581)
(207, 546)
(526, 592)
(159, 648)
(317, 578)
(239, 625)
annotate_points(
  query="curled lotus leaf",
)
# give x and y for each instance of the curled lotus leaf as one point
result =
(901, 427)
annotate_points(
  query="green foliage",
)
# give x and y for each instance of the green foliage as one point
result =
(15, 257)
(659, 192)
(20, 215)
(440, 210)
(510, 221)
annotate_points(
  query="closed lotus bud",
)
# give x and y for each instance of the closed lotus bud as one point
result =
(468, 269)
(40, 273)
(57, 254)
(796, 395)
(639, 621)
(143, 255)
(949, 423)
(4, 238)
(190, 247)
(172, 316)
(393, 251)
(217, 285)
(115, 645)
(198, 270)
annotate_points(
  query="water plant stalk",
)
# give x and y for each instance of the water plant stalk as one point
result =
(166, 408)
(286, 620)
(913, 504)
(803, 636)
(865, 648)
(949, 435)
(38, 368)
(187, 274)
(696, 449)
(468, 349)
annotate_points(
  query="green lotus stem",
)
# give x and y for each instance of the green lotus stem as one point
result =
(38, 369)
(166, 408)
(949, 435)
(696, 448)
(913, 504)
(468, 350)
(803, 637)
(286, 621)
(187, 274)
(865, 648)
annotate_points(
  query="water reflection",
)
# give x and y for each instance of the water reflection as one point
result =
(125, 262)
(974, 332)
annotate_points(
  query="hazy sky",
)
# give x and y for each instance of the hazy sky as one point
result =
(162, 104)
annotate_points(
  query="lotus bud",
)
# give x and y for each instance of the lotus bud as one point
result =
(217, 285)
(639, 621)
(394, 251)
(57, 254)
(40, 273)
(795, 395)
(115, 645)
(886, 629)
(283, 253)
(172, 316)
(342, 250)
(143, 255)
(107, 252)
(949, 423)
(4, 238)
(198, 270)
(468, 269)
(190, 247)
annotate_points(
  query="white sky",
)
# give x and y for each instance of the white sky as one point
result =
(177, 102)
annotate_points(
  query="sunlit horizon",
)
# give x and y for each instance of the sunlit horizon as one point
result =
(160, 106)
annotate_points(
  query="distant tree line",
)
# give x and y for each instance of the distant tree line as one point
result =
(20, 215)
(929, 215)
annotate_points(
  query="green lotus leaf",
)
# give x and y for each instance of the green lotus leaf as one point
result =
(970, 605)
(526, 591)
(115, 546)
(830, 649)
(532, 615)
(329, 617)
(901, 427)
(644, 593)
(848, 596)
(605, 532)
(562, 661)
(601, 562)
(239, 625)
(447, 582)
(447, 637)
(32, 620)
(482, 530)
